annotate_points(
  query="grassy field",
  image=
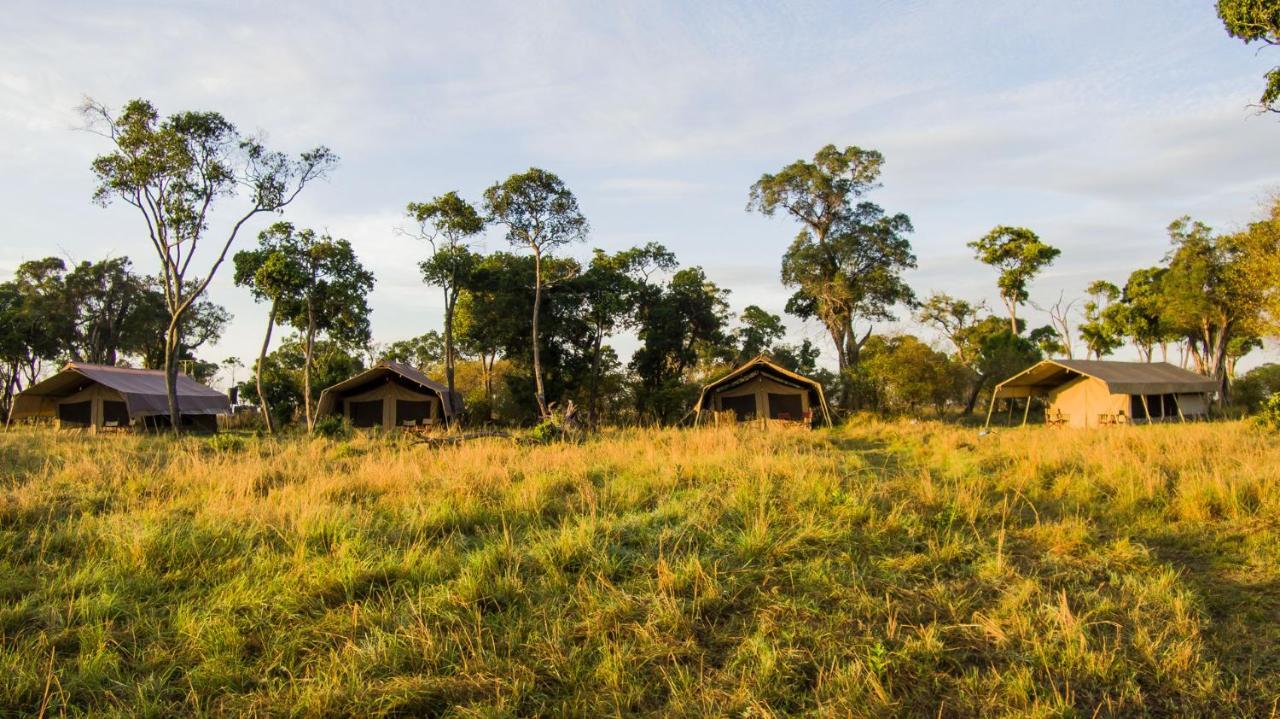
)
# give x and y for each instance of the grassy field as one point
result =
(875, 570)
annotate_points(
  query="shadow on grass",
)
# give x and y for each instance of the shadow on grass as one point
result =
(1243, 608)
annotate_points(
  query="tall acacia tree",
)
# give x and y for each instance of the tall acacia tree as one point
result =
(173, 171)
(447, 223)
(847, 261)
(540, 213)
(1019, 255)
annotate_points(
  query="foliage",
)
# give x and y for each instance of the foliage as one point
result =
(332, 426)
(1252, 390)
(1019, 255)
(447, 223)
(875, 570)
(540, 213)
(846, 263)
(1104, 322)
(1256, 21)
(681, 326)
(424, 352)
(282, 374)
(906, 374)
(1268, 415)
(1211, 293)
(173, 171)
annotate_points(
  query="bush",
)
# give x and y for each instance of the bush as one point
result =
(333, 426)
(1269, 413)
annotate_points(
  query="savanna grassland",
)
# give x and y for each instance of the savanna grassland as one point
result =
(873, 570)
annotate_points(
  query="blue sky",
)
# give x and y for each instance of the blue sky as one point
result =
(1093, 123)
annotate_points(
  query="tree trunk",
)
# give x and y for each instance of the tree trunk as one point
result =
(593, 389)
(449, 359)
(1012, 306)
(171, 375)
(262, 359)
(309, 351)
(973, 394)
(486, 366)
(537, 358)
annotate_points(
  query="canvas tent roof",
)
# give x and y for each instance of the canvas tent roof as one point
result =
(1120, 378)
(388, 369)
(142, 389)
(763, 365)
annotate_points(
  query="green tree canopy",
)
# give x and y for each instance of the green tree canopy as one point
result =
(847, 261)
(174, 171)
(1019, 255)
(1256, 21)
(540, 213)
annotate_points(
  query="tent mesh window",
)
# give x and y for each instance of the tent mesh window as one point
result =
(366, 414)
(410, 410)
(76, 413)
(1162, 406)
(785, 406)
(116, 412)
(743, 406)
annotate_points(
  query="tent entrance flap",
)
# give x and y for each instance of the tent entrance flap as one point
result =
(785, 406)
(412, 411)
(743, 406)
(366, 414)
(76, 413)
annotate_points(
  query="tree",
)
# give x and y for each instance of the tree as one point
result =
(540, 213)
(957, 319)
(757, 333)
(1256, 20)
(35, 322)
(1143, 318)
(1060, 322)
(610, 290)
(282, 372)
(678, 324)
(173, 171)
(1103, 326)
(446, 223)
(424, 352)
(1019, 255)
(331, 299)
(274, 273)
(847, 261)
(906, 374)
(108, 302)
(1211, 293)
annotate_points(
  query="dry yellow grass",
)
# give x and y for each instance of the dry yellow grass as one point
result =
(872, 570)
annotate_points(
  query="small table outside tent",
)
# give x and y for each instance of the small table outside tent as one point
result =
(1057, 419)
(1108, 419)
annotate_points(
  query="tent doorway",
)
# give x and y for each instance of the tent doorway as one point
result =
(366, 414)
(785, 406)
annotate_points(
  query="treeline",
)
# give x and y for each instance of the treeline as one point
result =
(102, 312)
(531, 328)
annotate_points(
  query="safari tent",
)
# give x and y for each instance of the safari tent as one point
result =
(762, 389)
(1093, 393)
(389, 395)
(99, 397)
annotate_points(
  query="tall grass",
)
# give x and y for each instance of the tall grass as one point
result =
(876, 570)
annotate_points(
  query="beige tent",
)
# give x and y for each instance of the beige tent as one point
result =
(96, 397)
(1092, 393)
(762, 389)
(389, 395)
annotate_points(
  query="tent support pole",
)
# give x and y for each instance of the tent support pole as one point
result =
(1026, 410)
(990, 409)
(1146, 409)
(1181, 419)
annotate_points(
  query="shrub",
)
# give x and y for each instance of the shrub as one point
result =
(333, 427)
(1269, 413)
